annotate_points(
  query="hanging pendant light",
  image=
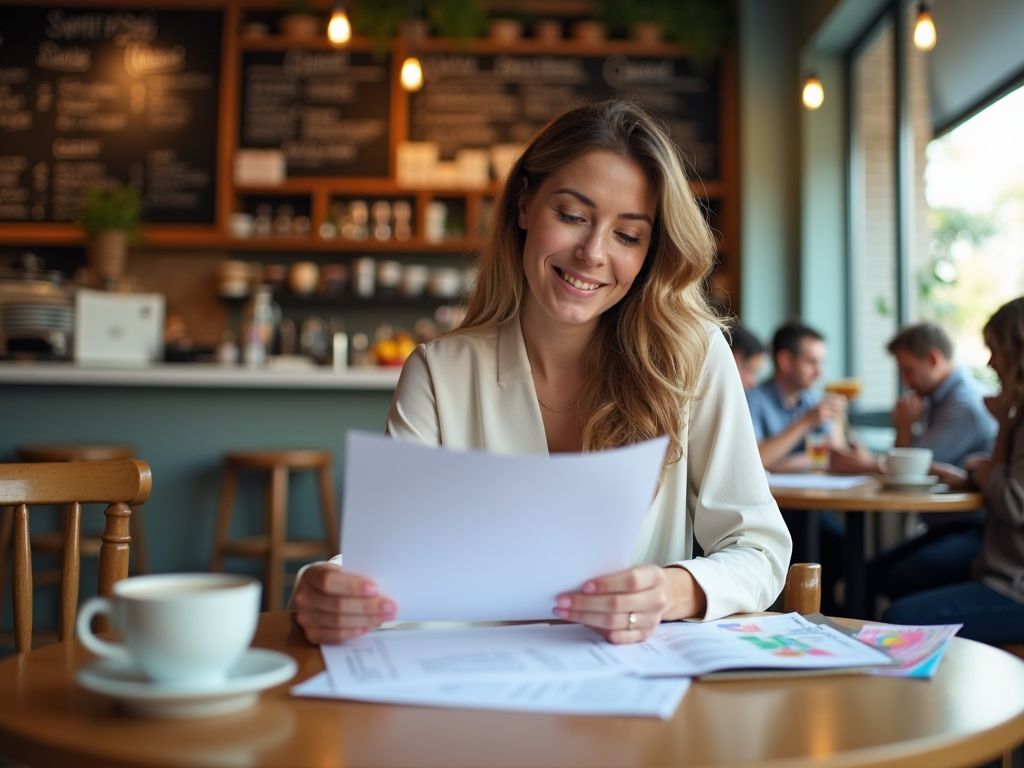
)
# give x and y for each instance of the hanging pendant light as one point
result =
(924, 30)
(339, 30)
(814, 93)
(411, 75)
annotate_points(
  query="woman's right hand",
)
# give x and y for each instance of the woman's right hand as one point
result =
(999, 405)
(332, 605)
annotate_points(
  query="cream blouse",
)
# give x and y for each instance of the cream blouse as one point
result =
(474, 390)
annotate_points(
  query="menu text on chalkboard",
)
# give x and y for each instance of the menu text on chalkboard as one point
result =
(88, 96)
(473, 100)
(328, 111)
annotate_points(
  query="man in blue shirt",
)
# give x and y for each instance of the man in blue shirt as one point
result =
(783, 408)
(943, 410)
(784, 411)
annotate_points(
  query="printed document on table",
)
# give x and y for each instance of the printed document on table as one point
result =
(471, 536)
(813, 482)
(471, 654)
(786, 642)
(615, 696)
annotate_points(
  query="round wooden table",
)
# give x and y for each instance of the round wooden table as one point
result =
(971, 712)
(870, 496)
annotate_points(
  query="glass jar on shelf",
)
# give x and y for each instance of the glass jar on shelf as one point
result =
(260, 317)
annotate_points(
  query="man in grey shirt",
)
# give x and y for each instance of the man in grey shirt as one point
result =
(943, 410)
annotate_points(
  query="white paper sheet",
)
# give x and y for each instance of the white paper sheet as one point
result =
(787, 642)
(812, 481)
(469, 536)
(472, 654)
(619, 696)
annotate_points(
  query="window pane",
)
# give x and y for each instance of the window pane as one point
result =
(975, 256)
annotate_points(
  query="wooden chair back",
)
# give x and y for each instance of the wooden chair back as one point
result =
(802, 592)
(118, 484)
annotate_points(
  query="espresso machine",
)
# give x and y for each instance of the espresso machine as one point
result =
(37, 312)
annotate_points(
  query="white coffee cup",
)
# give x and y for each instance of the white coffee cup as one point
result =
(183, 630)
(909, 462)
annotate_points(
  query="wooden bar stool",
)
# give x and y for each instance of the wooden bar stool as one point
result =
(273, 546)
(52, 542)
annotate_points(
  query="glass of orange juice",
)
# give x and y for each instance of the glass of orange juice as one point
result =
(816, 445)
(848, 388)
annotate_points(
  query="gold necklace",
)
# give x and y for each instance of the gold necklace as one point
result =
(559, 410)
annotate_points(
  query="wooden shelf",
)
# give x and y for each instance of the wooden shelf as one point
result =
(349, 300)
(412, 245)
(166, 237)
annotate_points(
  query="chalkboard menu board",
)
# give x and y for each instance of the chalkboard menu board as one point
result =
(91, 95)
(328, 111)
(471, 100)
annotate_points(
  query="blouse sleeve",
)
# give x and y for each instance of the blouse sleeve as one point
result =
(735, 519)
(413, 415)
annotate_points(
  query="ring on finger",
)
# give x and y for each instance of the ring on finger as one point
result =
(632, 621)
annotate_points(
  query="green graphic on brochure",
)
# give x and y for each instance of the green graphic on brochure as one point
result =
(777, 644)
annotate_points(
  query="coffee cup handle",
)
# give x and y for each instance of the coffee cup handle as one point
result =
(94, 607)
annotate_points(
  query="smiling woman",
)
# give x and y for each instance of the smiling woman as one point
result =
(588, 329)
(588, 228)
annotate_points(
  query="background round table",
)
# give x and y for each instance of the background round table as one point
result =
(971, 712)
(869, 496)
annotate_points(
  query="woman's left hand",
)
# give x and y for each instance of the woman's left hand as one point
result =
(624, 607)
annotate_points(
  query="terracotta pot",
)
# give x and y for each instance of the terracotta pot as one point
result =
(300, 25)
(107, 254)
(588, 31)
(648, 32)
(505, 30)
(548, 30)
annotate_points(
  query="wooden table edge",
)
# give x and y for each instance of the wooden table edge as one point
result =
(936, 751)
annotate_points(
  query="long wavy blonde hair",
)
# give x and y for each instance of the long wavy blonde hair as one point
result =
(1007, 328)
(650, 347)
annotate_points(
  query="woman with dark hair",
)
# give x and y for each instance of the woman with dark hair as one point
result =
(991, 606)
(588, 329)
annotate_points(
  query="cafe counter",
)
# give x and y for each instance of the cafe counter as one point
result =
(199, 375)
(180, 419)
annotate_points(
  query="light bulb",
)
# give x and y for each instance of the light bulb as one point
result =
(339, 31)
(924, 31)
(412, 74)
(814, 94)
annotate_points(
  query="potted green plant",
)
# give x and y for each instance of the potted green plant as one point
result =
(300, 21)
(461, 19)
(111, 217)
(701, 25)
(636, 18)
(506, 25)
(379, 20)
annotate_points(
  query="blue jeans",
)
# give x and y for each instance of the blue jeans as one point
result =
(940, 557)
(987, 616)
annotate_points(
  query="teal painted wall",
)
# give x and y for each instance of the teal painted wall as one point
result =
(823, 251)
(769, 163)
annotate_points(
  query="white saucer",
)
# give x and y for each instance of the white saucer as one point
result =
(258, 670)
(908, 481)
